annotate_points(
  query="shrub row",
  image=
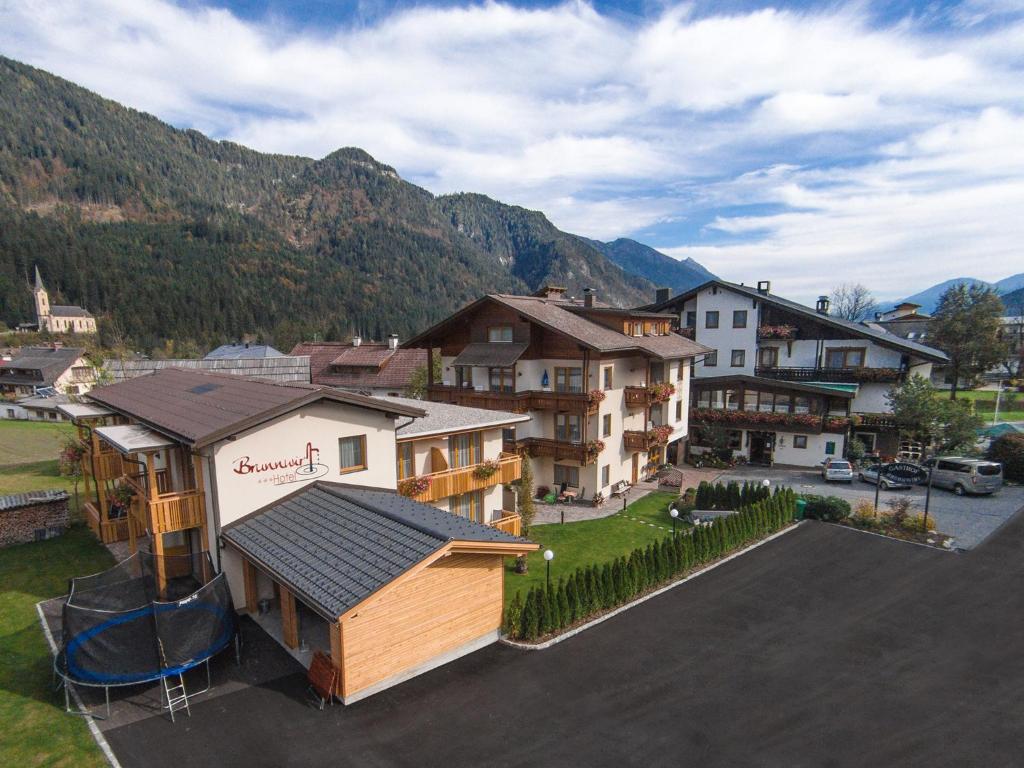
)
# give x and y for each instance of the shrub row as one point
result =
(1009, 451)
(591, 590)
(730, 496)
(829, 508)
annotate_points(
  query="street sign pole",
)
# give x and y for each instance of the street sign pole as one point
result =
(878, 484)
(928, 497)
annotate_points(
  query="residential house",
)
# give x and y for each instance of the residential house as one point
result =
(37, 408)
(454, 457)
(606, 389)
(291, 488)
(358, 366)
(59, 318)
(53, 368)
(786, 383)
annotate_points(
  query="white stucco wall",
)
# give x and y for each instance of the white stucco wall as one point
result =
(725, 338)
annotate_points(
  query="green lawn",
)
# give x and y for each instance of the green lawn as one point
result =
(592, 541)
(28, 456)
(1011, 404)
(34, 729)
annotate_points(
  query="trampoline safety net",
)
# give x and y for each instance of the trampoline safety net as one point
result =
(118, 629)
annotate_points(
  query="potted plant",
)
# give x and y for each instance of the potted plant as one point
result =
(121, 499)
(661, 392)
(486, 469)
(596, 396)
(598, 499)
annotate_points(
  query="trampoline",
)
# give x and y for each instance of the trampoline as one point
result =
(119, 630)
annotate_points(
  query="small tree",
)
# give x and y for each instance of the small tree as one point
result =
(966, 326)
(1009, 451)
(417, 387)
(852, 301)
(527, 510)
(70, 463)
(855, 451)
(957, 427)
(915, 408)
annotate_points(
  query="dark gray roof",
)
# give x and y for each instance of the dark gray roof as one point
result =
(286, 368)
(335, 545)
(200, 407)
(17, 500)
(243, 352)
(442, 418)
(882, 337)
(49, 362)
(491, 354)
(64, 310)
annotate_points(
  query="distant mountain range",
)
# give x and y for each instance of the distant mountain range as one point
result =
(660, 269)
(929, 298)
(166, 234)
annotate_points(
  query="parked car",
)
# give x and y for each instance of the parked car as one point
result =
(870, 475)
(837, 470)
(964, 475)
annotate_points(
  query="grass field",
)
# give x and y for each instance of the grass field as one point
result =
(34, 729)
(592, 541)
(1011, 404)
(28, 456)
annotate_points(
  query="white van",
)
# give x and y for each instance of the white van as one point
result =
(965, 476)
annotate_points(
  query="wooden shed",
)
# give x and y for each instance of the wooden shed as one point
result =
(401, 586)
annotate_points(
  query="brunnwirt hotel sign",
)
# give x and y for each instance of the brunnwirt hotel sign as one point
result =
(281, 470)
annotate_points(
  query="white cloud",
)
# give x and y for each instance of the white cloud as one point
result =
(892, 155)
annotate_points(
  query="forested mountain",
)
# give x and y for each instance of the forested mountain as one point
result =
(660, 269)
(165, 233)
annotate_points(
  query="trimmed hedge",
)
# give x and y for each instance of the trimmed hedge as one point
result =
(597, 588)
(1008, 450)
(829, 508)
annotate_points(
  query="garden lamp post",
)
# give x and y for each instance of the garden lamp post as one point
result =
(675, 514)
(766, 482)
(548, 557)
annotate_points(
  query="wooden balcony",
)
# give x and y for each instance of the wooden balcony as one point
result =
(509, 522)
(102, 465)
(834, 375)
(516, 402)
(634, 440)
(559, 450)
(168, 512)
(453, 482)
(638, 397)
(107, 531)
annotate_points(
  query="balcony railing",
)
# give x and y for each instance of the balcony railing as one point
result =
(516, 402)
(168, 512)
(107, 531)
(633, 440)
(768, 420)
(509, 522)
(453, 482)
(643, 397)
(559, 450)
(839, 375)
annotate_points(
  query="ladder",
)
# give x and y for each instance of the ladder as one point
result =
(177, 698)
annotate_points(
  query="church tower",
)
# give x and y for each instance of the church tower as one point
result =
(42, 303)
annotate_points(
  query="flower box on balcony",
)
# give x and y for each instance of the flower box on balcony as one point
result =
(783, 332)
(871, 375)
(757, 418)
(659, 435)
(660, 393)
(486, 469)
(414, 486)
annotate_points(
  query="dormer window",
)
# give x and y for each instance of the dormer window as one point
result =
(499, 333)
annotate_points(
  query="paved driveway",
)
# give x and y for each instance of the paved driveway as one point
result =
(968, 519)
(825, 647)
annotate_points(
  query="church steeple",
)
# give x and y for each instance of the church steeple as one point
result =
(42, 303)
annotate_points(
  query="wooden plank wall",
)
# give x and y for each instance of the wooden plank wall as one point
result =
(442, 607)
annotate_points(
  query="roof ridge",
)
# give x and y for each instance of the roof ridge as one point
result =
(338, 491)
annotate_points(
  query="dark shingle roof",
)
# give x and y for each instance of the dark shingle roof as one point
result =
(18, 500)
(200, 407)
(65, 310)
(335, 545)
(50, 363)
(491, 354)
(864, 331)
(370, 366)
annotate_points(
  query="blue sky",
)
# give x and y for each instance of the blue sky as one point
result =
(806, 143)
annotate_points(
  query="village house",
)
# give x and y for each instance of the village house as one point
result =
(789, 384)
(59, 318)
(358, 366)
(46, 370)
(607, 389)
(292, 489)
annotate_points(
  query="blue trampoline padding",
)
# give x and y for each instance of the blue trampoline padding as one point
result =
(85, 676)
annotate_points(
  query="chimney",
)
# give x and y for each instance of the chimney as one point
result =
(764, 287)
(588, 297)
(661, 295)
(357, 340)
(393, 341)
(822, 306)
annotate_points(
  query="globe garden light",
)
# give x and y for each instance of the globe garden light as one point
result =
(548, 557)
(674, 513)
(766, 482)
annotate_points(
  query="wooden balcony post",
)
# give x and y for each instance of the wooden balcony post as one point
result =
(155, 533)
(197, 469)
(289, 619)
(249, 575)
(338, 658)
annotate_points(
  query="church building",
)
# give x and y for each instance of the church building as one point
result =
(59, 318)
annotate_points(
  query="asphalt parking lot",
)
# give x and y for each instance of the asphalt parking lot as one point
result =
(824, 647)
(969, 519)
